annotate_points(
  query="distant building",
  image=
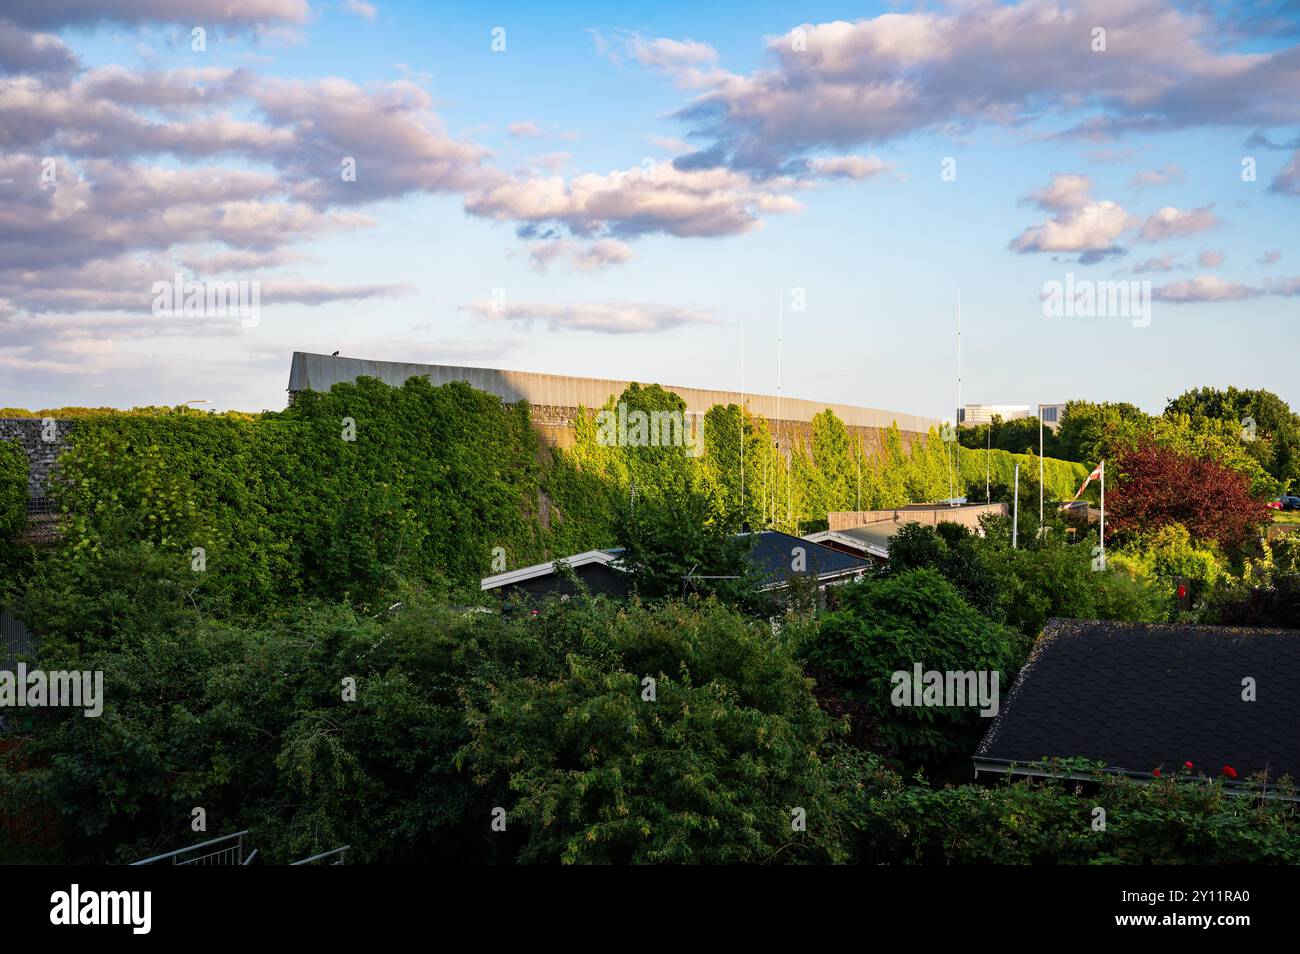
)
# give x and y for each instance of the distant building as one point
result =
(972, 415)
(975, 414)
(1052, 414)
(556, 400)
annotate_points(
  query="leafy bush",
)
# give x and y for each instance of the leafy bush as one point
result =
(1274, 603)
(952, 551)
(1171, 821)
(1169, 553)
(710, 771)
(455, 713)
(1047, 576)
(13, 508)
(883, 626)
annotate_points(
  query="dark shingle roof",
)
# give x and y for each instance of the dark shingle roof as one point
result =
(772, 554)
(1138, 697)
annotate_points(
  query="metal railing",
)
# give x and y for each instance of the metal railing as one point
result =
(15, 640)
(230, 852)
(338, 854)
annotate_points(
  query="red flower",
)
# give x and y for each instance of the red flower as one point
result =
(1188, 766)
(1229, 771)
(1156, 773)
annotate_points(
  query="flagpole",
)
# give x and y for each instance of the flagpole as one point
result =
(1040, 469)
(1015, 513)
(1103, 514)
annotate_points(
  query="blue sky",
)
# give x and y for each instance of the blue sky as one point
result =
(782, 167)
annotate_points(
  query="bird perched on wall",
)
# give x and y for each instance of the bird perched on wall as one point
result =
(334, 355)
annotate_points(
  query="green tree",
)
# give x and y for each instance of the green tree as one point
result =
(884, 626)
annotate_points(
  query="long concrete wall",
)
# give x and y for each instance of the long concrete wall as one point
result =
(556, 398)
(968, 515)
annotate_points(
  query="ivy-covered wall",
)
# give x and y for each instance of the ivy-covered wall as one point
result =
(345, 491)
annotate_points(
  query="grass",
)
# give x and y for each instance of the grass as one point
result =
(1283, 516)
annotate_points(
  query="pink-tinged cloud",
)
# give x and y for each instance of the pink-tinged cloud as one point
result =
(1080, 223)
(24, 52)
(1287, 180)
(1066, 191)
(1271, 257)
(367, 11)
(667, 53)
(604, 318)
(1204, 288)
(582, 257)
(847, 167)
(1166, 175)
(1211, 258)
(1172, 223)
(634, 202)
(1164, 263)
(840, 84)
(44, 14)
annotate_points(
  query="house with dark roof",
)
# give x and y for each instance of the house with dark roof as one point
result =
(774, 557)
(867, 543)
(1140, 698)
(598, 570)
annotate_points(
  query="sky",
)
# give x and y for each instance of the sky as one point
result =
(716, 196)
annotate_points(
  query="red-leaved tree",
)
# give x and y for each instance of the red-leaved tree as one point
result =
(1158, 486)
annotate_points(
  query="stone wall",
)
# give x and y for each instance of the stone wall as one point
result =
(31, 433)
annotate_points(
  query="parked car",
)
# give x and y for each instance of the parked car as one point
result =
(1290, 503)
(1274, 504)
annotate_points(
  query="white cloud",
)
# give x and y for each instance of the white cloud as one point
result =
(605, 318)
(1080, 223)
(367, 11)
(1204, 288)
(1171, 222)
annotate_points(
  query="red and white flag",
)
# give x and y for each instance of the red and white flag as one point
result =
(1095, 475)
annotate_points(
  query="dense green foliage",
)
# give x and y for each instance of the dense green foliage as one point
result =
(334, 497)
(885, 626)
(341, 539)
(1047, 576)
(1019, 436)
(1171, 821)
(13, 508)
(455, 714)
(953, 551)
(1270, 429)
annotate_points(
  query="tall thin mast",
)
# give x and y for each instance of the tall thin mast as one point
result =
(780, 325)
